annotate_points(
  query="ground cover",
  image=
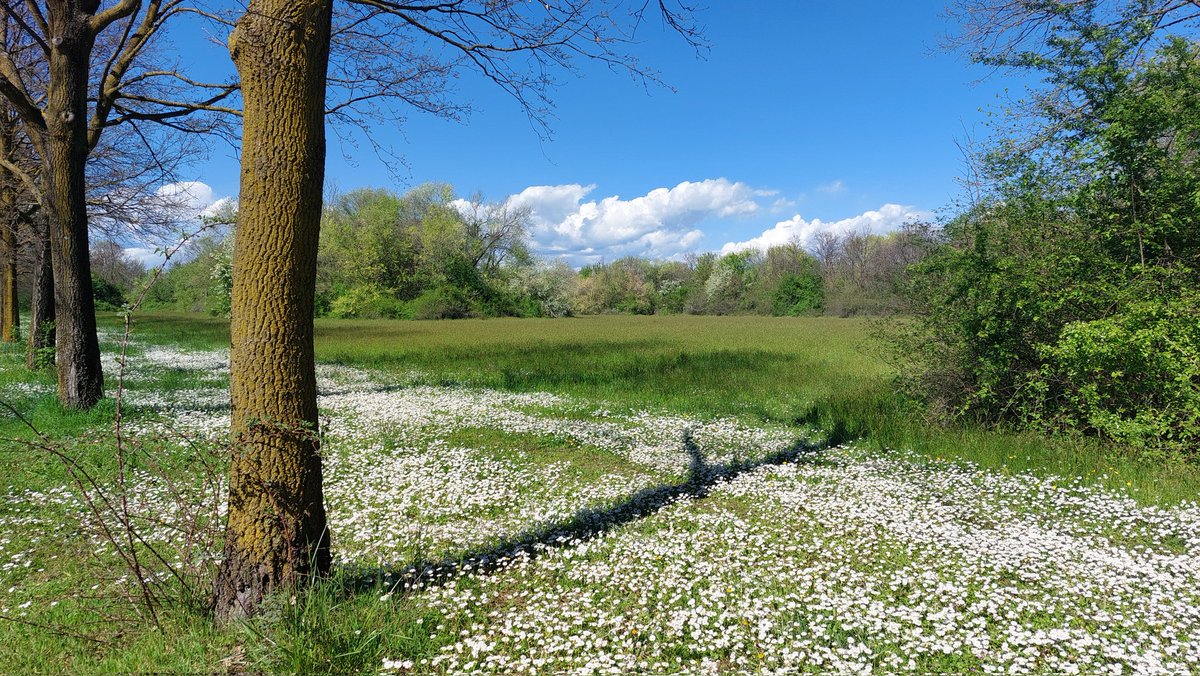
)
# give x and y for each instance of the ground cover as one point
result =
(813, 371)
(483, 522)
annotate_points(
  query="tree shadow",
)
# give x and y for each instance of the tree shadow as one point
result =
(642, 366)
(586, 524)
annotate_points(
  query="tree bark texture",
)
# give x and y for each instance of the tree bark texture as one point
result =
(80, 380)
(276, 536)
(41, 341)
(9, 315)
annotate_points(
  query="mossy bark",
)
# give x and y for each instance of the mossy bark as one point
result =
(10, 221)
(80, 380)
(276, 536)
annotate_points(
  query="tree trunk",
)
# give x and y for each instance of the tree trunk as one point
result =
(276, 535)
(80, 381)
(40, 352)
(10, 317)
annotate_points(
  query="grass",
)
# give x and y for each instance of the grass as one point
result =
(803, 371)
(587, 463)
(784, 371)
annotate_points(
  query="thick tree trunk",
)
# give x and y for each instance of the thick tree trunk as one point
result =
(10, 317)
(276, 535)
(80, 381)
(40, 351)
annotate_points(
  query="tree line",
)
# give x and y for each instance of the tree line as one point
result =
(427, 254)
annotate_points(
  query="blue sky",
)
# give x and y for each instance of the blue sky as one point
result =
(801, 116)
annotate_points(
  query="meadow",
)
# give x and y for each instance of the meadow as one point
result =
(606, 494)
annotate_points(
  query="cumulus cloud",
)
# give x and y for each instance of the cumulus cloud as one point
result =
(155, 224)
(192, 195)
(661, 223)
(885, 219)
(226, 207)
(193, 199)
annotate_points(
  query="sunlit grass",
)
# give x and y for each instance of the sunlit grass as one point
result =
(808, 371)
(782, 374)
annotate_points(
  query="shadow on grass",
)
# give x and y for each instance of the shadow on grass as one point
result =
(587, 523)
(574, 361)
(639, 373)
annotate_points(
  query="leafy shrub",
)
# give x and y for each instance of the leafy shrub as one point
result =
(221, 285)
(799, 295)
(444, 302)
(44, 356)
(106, 295)
(1133, 377)
(365, 302)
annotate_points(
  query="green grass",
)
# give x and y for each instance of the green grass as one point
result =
(586, 463)
(805, 371)
(792, 371)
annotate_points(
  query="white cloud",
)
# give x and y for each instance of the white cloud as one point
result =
(151, 258)
(192, 200)
(887, 218)
(156, 223)
(223, 206)
(187, 196)
(660, 224)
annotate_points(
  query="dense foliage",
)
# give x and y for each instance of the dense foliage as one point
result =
(429, 255)
(420, 255)
(1066, 298)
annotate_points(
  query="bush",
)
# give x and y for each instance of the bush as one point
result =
(799, 295)
(1133, 377)
(364, 302)
(544, 290)
(1065, 297)
(444, 302)
(106, 295)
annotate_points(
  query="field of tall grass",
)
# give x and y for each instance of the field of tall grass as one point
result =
(615, 493)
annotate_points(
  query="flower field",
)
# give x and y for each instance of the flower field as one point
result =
(479, 530)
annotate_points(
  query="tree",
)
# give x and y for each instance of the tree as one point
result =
(277, 533)
(787, 282)
(1081, 48)
(365, 244)
(1029, 32)
(11, 219)
(620, 286)
(380, 250)
(495, 233)
(1064, 297)
(547, 286)
(726, 286)
(111, 263)
(9, 314)
(40, 345)
(54, 52)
